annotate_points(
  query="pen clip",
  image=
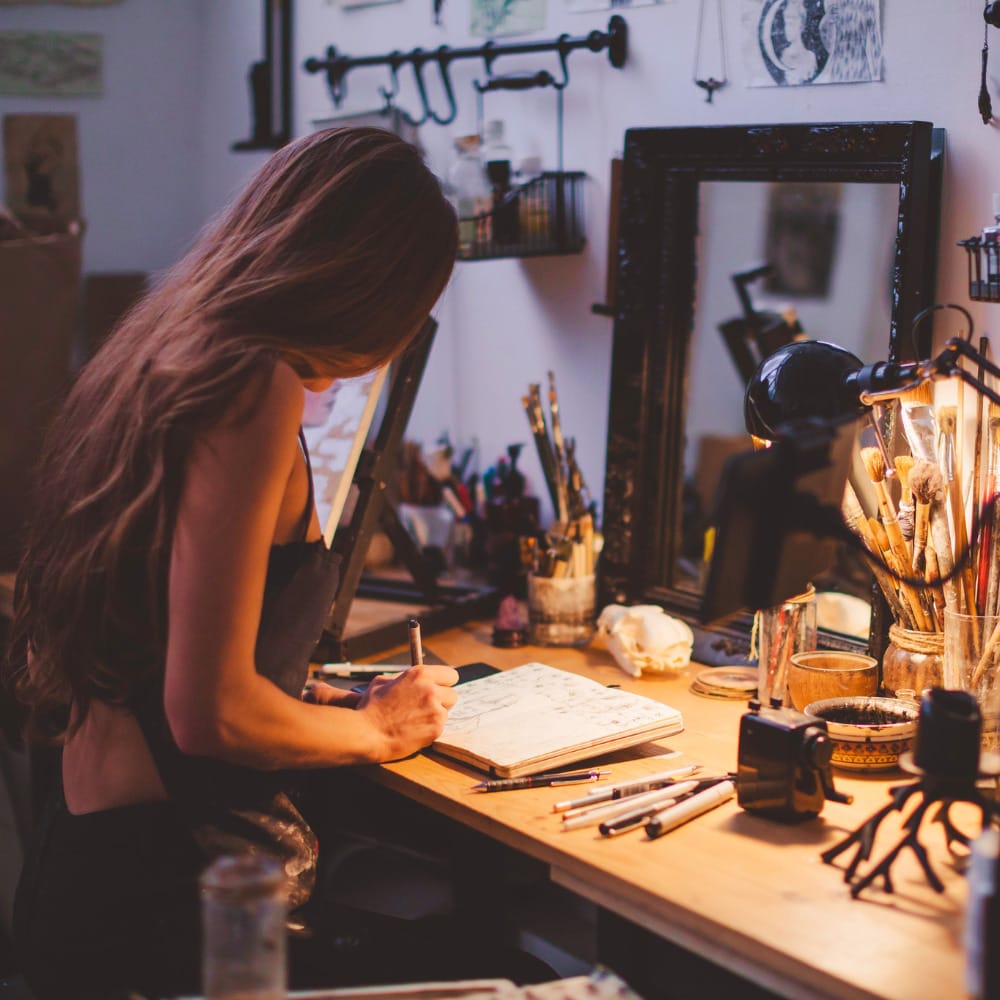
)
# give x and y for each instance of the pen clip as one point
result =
(575, 779)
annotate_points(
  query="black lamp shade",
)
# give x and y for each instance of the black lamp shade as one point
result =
(807, 378)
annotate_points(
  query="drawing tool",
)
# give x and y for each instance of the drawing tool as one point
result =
(416, 647)
(591, 815)
(558, 449)
(617, 789)
(633, 818)
(673, 816)
(539, 780)
(357, 672)
(537, 422)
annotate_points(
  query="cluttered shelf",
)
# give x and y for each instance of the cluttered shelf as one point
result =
(737, 889)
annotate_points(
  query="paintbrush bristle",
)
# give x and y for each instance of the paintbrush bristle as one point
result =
(927, 482)
(874, 463)
(903, 463)
(921, 395)
(947, 419)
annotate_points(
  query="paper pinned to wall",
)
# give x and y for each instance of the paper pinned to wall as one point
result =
(788, 43)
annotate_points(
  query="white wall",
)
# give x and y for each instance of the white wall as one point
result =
(156, 161)
(140, 140)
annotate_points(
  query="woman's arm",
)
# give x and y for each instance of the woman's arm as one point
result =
(216, 703)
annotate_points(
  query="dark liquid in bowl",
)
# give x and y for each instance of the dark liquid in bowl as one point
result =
(867, 716)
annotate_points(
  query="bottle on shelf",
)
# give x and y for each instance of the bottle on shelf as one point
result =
(499, 158)
(991, 249)
(471, 194)
(533, 207)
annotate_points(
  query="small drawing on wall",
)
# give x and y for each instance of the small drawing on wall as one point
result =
(352, 4)
(490, 18)
(41, 172)
(788, 43)
(579, 6)
(800, 243)
(50, 64)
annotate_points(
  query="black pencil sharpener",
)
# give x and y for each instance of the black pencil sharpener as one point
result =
(783, 768)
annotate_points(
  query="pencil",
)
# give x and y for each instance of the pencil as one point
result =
(416, 648)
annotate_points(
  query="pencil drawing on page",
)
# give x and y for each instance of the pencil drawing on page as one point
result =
(536, 712)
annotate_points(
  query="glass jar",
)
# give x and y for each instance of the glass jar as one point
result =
(913, 661)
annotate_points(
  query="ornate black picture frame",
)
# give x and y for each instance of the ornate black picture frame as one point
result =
(654, 308)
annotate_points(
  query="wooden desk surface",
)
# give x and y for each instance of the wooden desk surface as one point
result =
(751, 894)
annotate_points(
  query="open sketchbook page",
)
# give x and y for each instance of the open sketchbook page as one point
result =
(536, 716)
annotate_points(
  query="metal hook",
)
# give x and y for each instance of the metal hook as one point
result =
(562, 47)
(419, 57)
(390, 93)
(336, 71)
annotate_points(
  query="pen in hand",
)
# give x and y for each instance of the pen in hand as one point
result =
(416, 648)
(539, 780)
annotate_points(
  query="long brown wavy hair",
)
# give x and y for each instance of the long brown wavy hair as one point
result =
(330, 259)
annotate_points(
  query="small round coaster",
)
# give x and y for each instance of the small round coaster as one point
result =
(726, 682)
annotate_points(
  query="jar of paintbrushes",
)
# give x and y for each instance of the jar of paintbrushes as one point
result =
(920, 505)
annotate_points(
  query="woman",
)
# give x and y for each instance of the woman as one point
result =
(175, 580)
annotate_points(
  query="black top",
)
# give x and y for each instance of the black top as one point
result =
(232, 808)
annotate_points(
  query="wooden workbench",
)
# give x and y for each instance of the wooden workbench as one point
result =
(746, 893)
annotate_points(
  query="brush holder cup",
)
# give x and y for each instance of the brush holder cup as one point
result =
(912, 662)
(779, 633)
(972, 664)
(561, 610)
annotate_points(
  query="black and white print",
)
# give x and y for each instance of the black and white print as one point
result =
(789, 43)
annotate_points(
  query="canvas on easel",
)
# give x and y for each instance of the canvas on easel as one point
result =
(336, 424)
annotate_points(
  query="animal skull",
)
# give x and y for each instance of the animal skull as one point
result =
(644, 637)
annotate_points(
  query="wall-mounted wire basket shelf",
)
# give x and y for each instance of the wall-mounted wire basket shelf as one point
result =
(984, 269)
(540, 217)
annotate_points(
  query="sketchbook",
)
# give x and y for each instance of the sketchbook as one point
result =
(536, 718)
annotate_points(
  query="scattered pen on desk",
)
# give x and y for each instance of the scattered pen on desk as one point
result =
(539, 780)
(633, 818)
(416, 648)
(654, 800)
(673, 816)
(633, 786)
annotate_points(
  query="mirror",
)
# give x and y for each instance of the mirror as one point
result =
(841, 221)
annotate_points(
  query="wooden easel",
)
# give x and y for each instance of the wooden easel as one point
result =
(441, 606)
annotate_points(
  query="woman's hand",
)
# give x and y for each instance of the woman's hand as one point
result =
(409, 709)
(321, 693)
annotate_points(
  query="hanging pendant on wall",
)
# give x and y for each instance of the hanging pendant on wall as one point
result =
(710, 84)
(990, 12)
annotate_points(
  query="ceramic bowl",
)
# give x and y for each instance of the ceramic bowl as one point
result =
(830, 673)
(868, 734)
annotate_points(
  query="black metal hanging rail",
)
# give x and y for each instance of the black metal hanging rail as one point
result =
(336, 67)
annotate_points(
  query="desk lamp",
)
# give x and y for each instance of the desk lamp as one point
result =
(777, 512)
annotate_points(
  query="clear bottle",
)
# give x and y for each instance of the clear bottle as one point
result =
(471, 194)
(991, 248)
(244, 914)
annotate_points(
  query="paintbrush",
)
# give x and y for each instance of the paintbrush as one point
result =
(905, 513)
(909, 596)
(927, 484)
(933, 577)
(951, 470)
(919, 424)
(854, 518)
(875, 467)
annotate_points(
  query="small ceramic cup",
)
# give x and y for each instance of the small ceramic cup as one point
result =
(830, 673)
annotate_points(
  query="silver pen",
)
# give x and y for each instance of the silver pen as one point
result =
(655, 799)
(620, 789)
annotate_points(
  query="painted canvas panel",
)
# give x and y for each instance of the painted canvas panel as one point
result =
(491, 18)
(41, 170)
(50, 63)
(789, 43)
(336, 424)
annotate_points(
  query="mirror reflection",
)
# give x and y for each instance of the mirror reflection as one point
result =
(777, 261)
